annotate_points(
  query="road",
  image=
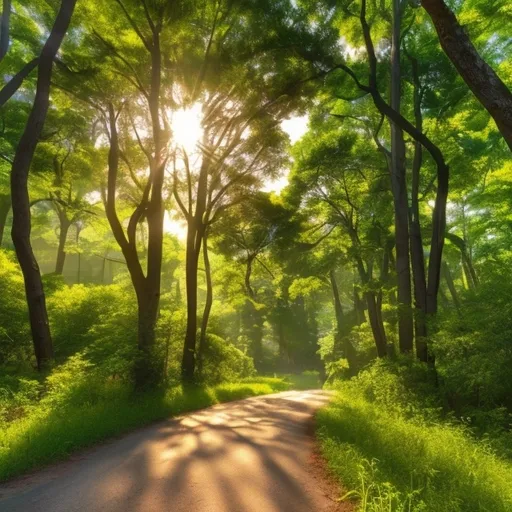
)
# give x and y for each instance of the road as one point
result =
(253, 455)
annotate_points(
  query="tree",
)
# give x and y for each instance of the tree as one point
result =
(19, 190)
(245, 233)
(483, 81)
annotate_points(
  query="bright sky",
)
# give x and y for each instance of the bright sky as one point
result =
(187, 137)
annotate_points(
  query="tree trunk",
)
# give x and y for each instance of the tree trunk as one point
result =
(61, 249)
(207, 305)
(5, 207)
(460, 243)
(253, 318)
(195, 234)
(4, 28)
(19, 189)
(15, 82)
(192, 260)
(483, 81)
(374, 316)
(451, 285)
(375, 320)
(346, 350)
(439, 213)
(416, 239)
(399, 189)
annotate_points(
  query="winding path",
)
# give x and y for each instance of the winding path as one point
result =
(253, 455)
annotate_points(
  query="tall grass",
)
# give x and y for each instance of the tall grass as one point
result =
(398, 462)
(96, 410)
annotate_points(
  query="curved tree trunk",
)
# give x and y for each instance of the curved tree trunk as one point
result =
(483, 81)
(19, 188)
(439, 213)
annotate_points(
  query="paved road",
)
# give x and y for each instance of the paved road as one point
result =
(253, 455)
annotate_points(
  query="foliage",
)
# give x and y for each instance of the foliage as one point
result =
(224, 362)
(404, 457)
(14, 331)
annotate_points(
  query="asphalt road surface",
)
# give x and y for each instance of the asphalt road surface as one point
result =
(254, 455)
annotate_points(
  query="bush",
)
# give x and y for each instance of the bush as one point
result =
(15, 337)
(224, 362)
(395, 454)
(474, 352)
(77, 313)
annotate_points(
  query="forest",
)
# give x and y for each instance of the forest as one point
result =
(207, 200)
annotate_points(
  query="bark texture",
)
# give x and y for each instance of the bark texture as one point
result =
(483, 81)
(399, 190)
(19, 188)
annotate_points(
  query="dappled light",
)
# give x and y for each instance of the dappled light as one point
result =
(281, 229)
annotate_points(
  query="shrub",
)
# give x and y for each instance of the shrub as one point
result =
(393, 454)
(224, 362)
(15, 338)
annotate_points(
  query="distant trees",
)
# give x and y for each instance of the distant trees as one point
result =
(352, 253)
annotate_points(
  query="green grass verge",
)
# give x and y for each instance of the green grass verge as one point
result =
(51, 432)
(390, 463)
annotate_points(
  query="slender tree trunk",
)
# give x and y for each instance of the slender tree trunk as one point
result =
(375, 320)
(374, 316)
(416, 239)
(19, 189)
(346, 350)
(451, 285)
(61, 249)
(103, 268)
(192, 259)
(483, 81)
(79, 269)
(338, 314)
(467, 262)
(439, 213)
(4, 28)
(253, 318)
(195, 234)
(5, 207)
(399, 189)
(15, 82)
(207, 305)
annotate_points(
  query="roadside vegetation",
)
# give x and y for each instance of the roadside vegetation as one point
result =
(74, 407)
(204, 201)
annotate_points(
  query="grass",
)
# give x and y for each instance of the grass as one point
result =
(91, 413)
(392, 462)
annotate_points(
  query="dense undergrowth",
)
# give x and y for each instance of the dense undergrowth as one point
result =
(400, 450)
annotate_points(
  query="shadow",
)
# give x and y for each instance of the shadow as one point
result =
(250, 455)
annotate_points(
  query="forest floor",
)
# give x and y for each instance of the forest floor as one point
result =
(256, 454)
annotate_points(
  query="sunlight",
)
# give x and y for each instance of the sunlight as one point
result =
(175, 227)
(186, 126)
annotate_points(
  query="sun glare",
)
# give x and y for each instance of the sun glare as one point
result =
(186, 127)
(175, 227)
